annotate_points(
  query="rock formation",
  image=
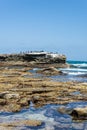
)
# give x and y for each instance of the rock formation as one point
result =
(36, 59)
(50, 71)
(77, 113)
(43, 57)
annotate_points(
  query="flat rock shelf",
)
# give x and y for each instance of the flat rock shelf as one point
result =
(28, 102)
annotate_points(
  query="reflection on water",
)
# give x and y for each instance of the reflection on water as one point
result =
(49, 115)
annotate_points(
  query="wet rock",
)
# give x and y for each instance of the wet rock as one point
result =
(83, 75)
(76, 113)
(22, 123)
(79, 113)
(64, 110)
(50, 71)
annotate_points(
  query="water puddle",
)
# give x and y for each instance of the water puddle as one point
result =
(49, 116)
(75, 93)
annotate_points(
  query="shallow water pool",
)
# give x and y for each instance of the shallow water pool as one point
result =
(49, 115)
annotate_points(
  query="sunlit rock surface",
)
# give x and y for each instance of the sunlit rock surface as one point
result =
(24, 97)
(50, 71)
(17, 86)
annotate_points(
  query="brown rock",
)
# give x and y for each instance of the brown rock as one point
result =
(35, 99)
(24, 102)
(79, 113)
(50, 71)
(2, 94)
(22, 123)
(2, 102)
(12, 96)
(13, 108)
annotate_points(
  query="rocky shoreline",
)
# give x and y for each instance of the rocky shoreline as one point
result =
(36, 59)
(15, 88)
(18, 88)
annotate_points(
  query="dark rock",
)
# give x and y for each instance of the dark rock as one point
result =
(38, 57)
(3, 102)
(2, 94)
(76, 113)
(79, 113)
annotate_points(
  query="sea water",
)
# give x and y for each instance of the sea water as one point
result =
(50, 117)
(76, 72)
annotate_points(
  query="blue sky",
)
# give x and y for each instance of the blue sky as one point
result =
(49, 25)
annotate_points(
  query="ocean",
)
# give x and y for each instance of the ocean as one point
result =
(76, 72)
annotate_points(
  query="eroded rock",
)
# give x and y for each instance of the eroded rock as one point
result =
(50, 71)
(79, 113)
(13, 107)
(3, 102)
(24, 102)
(2, 94)
(76, 113)
(22, 123)
(12, 96)
(17, 90)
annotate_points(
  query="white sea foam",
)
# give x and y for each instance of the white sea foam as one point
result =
(83, 65)
(34, 69)
(74, 71)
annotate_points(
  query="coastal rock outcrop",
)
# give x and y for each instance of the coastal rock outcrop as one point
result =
(13, 107)
(79, 113)
(38, 57)
(11, 125)
(50, 71)
(2, 102)
(18, 88)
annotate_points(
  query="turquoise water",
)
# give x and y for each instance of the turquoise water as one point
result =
(76, 62)
(76, 72)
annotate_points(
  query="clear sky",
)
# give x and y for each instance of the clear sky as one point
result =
(49, 25)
